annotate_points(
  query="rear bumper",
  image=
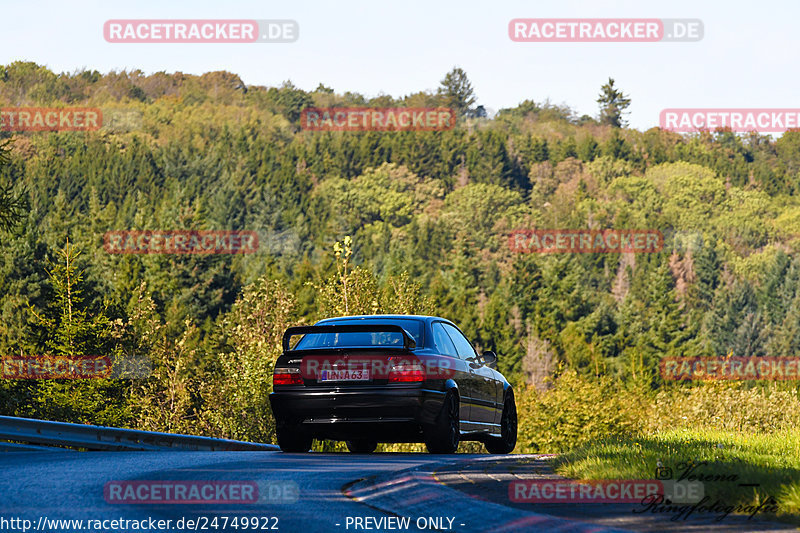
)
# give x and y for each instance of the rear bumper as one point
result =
(387, 413)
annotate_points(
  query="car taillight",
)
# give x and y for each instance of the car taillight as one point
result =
(287, 376)
(404, 371)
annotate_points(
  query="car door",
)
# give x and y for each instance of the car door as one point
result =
(445, 346)
(481, 399)
(495, 379)
(488, 386)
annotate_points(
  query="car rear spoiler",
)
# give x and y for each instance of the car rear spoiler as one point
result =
(408, 341)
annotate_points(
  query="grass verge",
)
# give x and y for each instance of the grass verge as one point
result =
(722, 460)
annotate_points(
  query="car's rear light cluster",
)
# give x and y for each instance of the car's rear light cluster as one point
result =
(287, 376)
(405, 371)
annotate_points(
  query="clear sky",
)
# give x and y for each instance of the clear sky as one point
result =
(747, 58)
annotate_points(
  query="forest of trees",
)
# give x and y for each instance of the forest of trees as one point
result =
(429, 215)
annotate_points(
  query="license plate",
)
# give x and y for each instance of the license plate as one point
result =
(344, 375)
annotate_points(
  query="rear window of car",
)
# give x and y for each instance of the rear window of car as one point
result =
(362, 339)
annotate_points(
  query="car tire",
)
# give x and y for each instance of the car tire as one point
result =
(361, 445)
(508, 430)
(293, 441)
(444, 435)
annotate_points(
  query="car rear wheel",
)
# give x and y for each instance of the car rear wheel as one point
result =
(443, 437)
(508, 430)
(293, 441)
(361, 446)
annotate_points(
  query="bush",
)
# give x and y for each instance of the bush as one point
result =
(725, 406)
(577, 410)
(236, 397)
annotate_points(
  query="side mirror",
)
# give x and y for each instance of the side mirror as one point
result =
(489, 359)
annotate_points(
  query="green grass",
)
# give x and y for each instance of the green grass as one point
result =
(771, 460)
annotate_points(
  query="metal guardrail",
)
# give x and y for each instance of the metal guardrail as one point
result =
(31, 431)
(17, 447)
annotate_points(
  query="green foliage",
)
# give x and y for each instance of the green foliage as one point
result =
(356, 291)
(429, 214)
(236, 390)
(587, 149)
(576, 411)
(67, 326)
(351, 291)
(456, 91)
(579, 412)
(733, 407)
(544, 112)
(12, 204)
(289, 100)
(613, 104)
(162, 401)
(726, 459)
(389, 193)
(70, 328)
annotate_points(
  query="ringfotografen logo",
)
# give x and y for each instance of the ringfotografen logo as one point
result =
(550, 241)
(724, 368)
(50, 119)
(740, 120)
(181, 242)
(200, 31)
(378, 119)
(187, 492)
(604, 30)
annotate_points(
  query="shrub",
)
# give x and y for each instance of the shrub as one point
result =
(577, 410)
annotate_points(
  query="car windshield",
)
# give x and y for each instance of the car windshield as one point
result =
(362, 339)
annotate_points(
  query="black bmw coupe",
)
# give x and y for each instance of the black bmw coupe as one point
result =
(389, 378)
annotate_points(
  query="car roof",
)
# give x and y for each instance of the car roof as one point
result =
(421, 318)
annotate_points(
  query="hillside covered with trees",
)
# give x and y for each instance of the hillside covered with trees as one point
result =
(429, 214)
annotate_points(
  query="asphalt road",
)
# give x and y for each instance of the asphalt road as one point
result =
(489, 478)
(266, 491)
(70, 486)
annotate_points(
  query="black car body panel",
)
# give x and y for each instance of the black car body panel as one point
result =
(376, 405)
